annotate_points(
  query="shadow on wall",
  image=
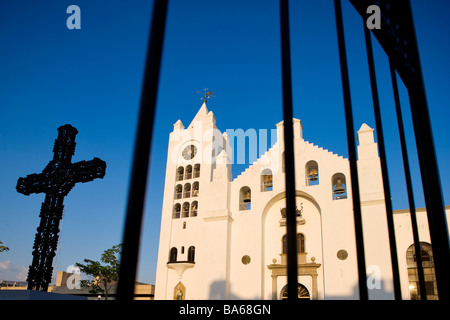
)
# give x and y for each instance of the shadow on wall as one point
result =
(377, 291)
(217, 292)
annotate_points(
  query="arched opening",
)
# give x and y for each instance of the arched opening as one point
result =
(339, 186)
(188, 173)
(178, 191)
(176, 211)
(191, 254)
(195, 189)
(194, 208)
(180, 172)
(270, 216)
(187, 190)
(245, 198)
(302, 292)
(426, 254)
(266, 180)
(197, 170)
(186, 210)
(173, 255)
(300, 243)
(312, 173)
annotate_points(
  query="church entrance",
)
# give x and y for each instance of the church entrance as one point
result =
(302, 292)
(309, 239)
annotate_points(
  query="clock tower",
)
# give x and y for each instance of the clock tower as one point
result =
(195, 223)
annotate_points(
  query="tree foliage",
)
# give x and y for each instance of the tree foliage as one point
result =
(103, 274)
(3, 248)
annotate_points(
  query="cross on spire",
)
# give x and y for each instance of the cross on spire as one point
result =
(56, 180)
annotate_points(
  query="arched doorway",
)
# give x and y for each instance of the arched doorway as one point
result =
(426, 254)
(302, 292)
(310, 245)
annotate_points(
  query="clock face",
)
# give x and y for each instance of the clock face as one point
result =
(189, 152)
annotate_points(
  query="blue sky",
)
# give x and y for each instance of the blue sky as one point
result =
(91, 78)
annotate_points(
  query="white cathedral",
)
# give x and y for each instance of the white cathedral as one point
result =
(224, 238)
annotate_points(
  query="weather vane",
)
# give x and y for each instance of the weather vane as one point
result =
(205, 94)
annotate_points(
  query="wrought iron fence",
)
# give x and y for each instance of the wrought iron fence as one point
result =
(398, 39)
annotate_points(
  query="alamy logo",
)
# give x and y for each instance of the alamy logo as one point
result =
(374, 21)
(211, 142)
(374, 277)
(74, 20)
(74, 280)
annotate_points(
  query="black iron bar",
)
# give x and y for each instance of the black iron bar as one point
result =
(291, 216)
(362, 277)
(429, 170)
(412, 206)
(383, 162)
(141, 156)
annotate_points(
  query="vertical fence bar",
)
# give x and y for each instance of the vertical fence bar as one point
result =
(412, 206)
(398, 38)
(291, 223)
(141, 156)
(429, 171)
(363, 294)
(383, 162)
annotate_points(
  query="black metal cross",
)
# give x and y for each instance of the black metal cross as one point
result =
(56, 181)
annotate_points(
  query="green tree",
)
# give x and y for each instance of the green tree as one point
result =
(102, 277)
(3, 248)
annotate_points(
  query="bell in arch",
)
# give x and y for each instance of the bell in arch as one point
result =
(339, 187)
(313, 175)
(268, 181)
(247, 197)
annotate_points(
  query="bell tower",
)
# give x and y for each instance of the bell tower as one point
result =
(373, 209)
(195, 221)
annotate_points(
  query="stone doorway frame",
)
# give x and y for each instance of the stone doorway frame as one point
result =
(304, 269)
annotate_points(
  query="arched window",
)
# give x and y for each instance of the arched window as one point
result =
(186, 210)
(312, 173)
(197, 170)
(266, 180)
(194, 208)
(302, 292)
(180, 172)
(426, 254)
(188, 174)
(178, 191)
(191, 254)
(173, 255)
(339, 186)
(300, 243)
(176, 211)
(195, 189)
(187, 190)
(245, 198)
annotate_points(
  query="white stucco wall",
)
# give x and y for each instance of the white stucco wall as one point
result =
(222, 233)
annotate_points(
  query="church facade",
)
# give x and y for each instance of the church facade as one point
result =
(224, 238)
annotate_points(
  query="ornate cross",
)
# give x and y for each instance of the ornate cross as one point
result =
(56, 181)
